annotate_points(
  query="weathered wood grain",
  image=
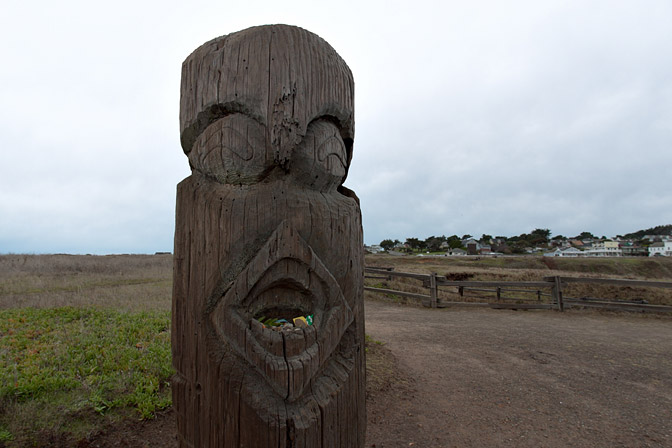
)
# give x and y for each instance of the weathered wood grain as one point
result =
(398, 293)
(264, 224)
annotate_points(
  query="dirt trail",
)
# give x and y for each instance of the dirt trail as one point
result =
(494, 378)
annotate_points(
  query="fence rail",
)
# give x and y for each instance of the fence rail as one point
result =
(554, 285)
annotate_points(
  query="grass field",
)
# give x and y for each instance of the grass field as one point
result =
(85, 340)
(120, 282)
(84, 343)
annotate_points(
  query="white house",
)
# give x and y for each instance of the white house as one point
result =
(664, 249)
(456, 252)
(566, 252)
(605, 249)
(374, 249)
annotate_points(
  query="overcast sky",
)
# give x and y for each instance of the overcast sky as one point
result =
(471, 116)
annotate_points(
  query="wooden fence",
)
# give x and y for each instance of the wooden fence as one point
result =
(551, 287)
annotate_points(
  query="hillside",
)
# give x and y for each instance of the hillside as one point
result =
(658, 230)
(659, 268)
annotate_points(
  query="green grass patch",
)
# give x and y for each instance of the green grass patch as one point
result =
(63, 369)
(369, 340)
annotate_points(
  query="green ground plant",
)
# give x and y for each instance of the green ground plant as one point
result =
(68, 370)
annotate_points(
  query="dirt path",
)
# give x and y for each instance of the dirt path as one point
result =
(487, 378)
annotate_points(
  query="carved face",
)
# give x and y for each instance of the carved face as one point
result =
(285, 278)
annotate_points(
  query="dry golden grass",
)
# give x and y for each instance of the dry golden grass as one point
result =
(122, 282)
(144, 282)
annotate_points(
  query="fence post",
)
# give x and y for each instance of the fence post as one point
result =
(433, 290)
(556, 291)
(499, 293)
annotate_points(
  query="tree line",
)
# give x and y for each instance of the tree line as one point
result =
(506, 245)
(499, 243)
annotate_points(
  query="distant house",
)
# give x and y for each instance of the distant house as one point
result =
(565, 252)
(606, 248)
(657, 238)
(485, 249)
(633, 250)
(472, 246)
(373, 249)
(456, 252)
(576, 243)
(556, 253)
(560, 243)
(661, 249)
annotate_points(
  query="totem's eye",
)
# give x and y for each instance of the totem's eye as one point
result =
(320, 161)
(232, 149)
(229, 139)
(332, 150)
(235, 135)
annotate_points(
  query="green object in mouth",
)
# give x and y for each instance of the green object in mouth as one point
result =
(268, 322)
(279, 322)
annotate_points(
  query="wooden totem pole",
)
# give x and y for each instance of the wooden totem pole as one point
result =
(265, 232)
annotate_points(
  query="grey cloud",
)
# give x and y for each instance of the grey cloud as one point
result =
(472, 117)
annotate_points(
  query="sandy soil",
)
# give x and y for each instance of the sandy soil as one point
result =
(494, 378)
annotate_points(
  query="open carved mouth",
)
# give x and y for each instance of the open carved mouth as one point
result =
(285, 279)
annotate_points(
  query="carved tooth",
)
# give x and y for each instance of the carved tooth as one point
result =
(295, 343)
(310, 335)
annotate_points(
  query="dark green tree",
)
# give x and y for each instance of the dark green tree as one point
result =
(433, 243)
(485, 238)
(415, 243)
(387, 245)
(543, 233)
(454, 242)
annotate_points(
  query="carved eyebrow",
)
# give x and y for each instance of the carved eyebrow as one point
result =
(329, 119)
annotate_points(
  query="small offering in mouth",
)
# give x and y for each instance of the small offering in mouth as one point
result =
(300, 322)
(283, 324)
